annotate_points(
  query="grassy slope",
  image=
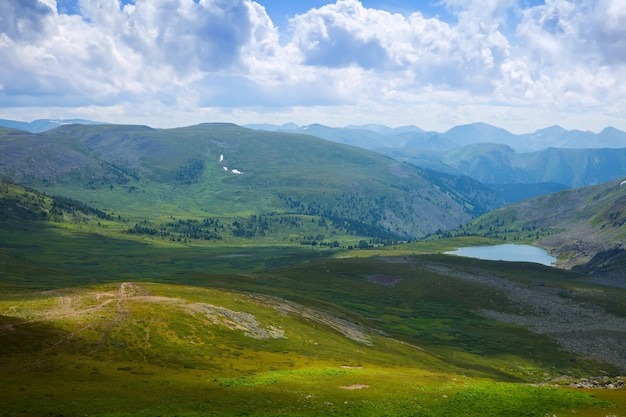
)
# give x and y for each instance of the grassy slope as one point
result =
(147, 173)
(574, 224)
(96, 321)
(154, 349)
(78, 340)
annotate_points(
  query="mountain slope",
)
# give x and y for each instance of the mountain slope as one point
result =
(93, 321)
(500, 164)
(222, 169)
(578, 225)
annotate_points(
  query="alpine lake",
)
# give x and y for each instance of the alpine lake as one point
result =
(507, 252)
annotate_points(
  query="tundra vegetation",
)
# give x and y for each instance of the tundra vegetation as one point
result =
(135, 313)
(141, 275)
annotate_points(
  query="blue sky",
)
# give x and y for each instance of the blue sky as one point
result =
(518, 64)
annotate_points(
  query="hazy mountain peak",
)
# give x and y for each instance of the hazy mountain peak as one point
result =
(550, 129)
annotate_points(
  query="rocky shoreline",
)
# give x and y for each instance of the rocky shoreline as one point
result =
(603, 382)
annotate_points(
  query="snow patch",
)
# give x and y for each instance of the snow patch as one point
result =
(234, 171)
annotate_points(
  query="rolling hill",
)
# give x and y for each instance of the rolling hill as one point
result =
(584, 227)
(95, 322)
(178, 271)
(214, 170)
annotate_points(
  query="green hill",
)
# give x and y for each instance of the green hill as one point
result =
(92, 324)
(581, 226)
(141, 301)
(221, 170)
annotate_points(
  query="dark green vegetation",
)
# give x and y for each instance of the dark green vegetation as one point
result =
(585, 227)
(98, 320)
(231, 173)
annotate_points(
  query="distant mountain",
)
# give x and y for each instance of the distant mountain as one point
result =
(479, 133)
(585, 226)
(412, 137)
(224, 169)
(366, 136)
(557, 137)
(374, 136)
(42, 125)
(500, 164)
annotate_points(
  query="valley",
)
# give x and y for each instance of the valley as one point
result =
(139, 277)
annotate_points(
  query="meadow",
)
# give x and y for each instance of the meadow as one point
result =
(95, 321)
(98, 320)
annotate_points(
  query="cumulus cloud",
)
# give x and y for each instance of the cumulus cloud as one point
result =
(186, 55)
(576, 51)
(417, 49)
(108, 52)
(24, 20)
(188, 36)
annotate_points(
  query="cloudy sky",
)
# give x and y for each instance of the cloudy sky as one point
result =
(521, 65)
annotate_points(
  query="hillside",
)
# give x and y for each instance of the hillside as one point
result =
(500, 164)
(97, 320)
(103, 325)
(583, 226)
(217, 170)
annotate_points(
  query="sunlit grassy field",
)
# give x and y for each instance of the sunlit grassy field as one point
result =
(95, 320)
(100, 323)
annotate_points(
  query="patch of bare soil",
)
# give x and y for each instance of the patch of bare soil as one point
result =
(383, 279)
(355, 386)
(237, 320)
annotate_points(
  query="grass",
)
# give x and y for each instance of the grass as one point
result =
(94, 321)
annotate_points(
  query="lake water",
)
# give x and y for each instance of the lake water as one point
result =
(510, 252)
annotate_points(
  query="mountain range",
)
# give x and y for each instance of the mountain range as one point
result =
(254, 178)
(219, 270)
(499, 164)
(517, 166)
(374, 137)
(226, 170)
(412, 137)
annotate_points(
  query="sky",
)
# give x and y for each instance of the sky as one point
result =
(517, 64)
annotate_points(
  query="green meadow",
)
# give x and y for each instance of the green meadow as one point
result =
(96, 320)
(107, 324)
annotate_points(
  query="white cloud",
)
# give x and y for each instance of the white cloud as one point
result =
(24, 20)
(344, 63)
